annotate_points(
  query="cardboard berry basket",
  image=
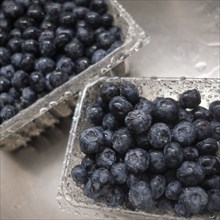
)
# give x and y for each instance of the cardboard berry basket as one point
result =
(70, 196)
(47, 111)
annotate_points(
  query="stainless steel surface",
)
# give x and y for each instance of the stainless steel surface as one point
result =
(184, 42)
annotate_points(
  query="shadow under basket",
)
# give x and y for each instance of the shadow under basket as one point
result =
(47, 111)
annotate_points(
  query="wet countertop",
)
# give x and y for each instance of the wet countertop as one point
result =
(185, 41)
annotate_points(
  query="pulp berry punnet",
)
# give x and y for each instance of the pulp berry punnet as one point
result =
(148, 154)
(45, 43)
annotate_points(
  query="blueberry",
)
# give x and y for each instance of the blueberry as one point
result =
(201, 112)
(12, 10)
(30, 46)
(98, 55)
(165, 205)
(14, 45)
(119, 107)
(37, 82)
(90, 50)
(67, 19)
(7, 71)
(15, 33)
(130, 92)
(20, 79)
(31, 33)
(122, 140)
(58, 78)
(145, 105)
(107, 20)
(84, 3)
(159, 135)
(119, 173)
(93, 19)
(190, 154)
(87, 162)
(190, 99)
(207, 146)
(142, 141)
(90, 192)
(138, 121)
(95, 114)
(80, 12)
(110, 122)
(91, 141)
(116, 32)
(74, 49)
(140, 196)
(190, 173)
(193, 200)
(100, 6)
(173, 190)
(45, 65)
(185, 115)
(157, 161)
(4, 56)
(16, 60)
(81, 64)
(213, 200)
(165, 110)
(7, 112)
(137, 160)
(114, 196)
(79, 174)
(108, 137)
(106, 158)
(173, 154)
(46, 35)
(28, 62)
(61, 40)
(214, 108)
(203, 129)
(215, 129)
(65, 65)
(53, 10)
(103, 104)
(211, 182)
(85, 36)
(14, 93)
(99, 30)
(36, 12)
(3, 37)
(184, 133)
(28, 97)
(131, 180)
(64, 30)
(68, 6)
(104, 40)
(115, 45)
(82, 24)
(4, 84)
(6, 99)
(47, 48)
(158, 184)
(208, 164)
(24, 22)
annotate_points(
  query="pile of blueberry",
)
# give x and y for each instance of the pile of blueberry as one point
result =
(45, 42)
(143, 154)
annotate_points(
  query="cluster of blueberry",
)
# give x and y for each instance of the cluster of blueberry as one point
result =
(143, 154)
(45, 42)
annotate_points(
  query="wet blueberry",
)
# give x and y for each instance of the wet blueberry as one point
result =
(95, 114)
(106, 158)
(47, 48)
(173, 190)
(85, 36)
(110, 122)
(145, 105)
(28, 97)
(65, 65)
(14, 45)
(4, 56)
(190, 154)
(30, 46)
(207, 146)
(201, 112)
(213, 200)
(100, 6)
(31, 33)
(20, 79)
(130, 92)
(158, 184)
(107, 20)
(208, 164)
(119, 173)
(79, 174)
(37, 82)
(98, 55)
(74, 49)
(45, 65)
(203, 129)
(93, 19)
(190, 99)
(7, 71)
(157, 161)
(81, 64)
(7, 112)
(58, 78)
(214, 108)
(185, 115)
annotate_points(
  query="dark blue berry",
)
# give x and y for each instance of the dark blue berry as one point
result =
(95, 114)
(113, 196)
(211, 182)
(20, 80)
(185, 115)
(67, 19)
(208, 164)
(37, 82)
(100, 6)
(203, 129)
(108, 137)
(193, 200)
(14, 45)
(7, 71)
(46, 35)
(14, 93)
(137, 160)
(12, 10)
(190, 173)
(122, 140)
(138, 122)
(58, 78)
(159, 135)
(119, 173)
(30, 46)
(115, 45)
(68, 6)
(213, 200)
(158, 184)
(45, 65)
(157, 162)
(131, 180)
(74, 49)
(90, 50)
(190, 99)
(106, 158)
(93, 19)
(104, 40)
(47, 48)
(61, 40)
(130, 92)
(28, 62)
(80, 12)
(173, 154)
(87, 162)
(140, 196)
(82, 24)
(28, 97)
(214, 108)
(24, 22)
(3, 37)
(107, 20)
(184, 133)
(215, 129)
(85, 36)
(36, 12)
(98, 55)
(108, 91)
(16, 60)
(91, 141)
(15, 33)
(166, 110)
(110, 122)
(190, 154)
(145, 105)
(142, 141)
(64, 30)
(207, 146)
(4, 56)
(81, 64)
(116, 32)
(173, 190)
(7, 112)
(66, 65)
(79, 174)
(31, 33)
(6, 99)
(201, 112)
(99, 30)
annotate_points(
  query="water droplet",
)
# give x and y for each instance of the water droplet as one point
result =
(52, 104)
(43, 110)
(68, 197)
(201, 66)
